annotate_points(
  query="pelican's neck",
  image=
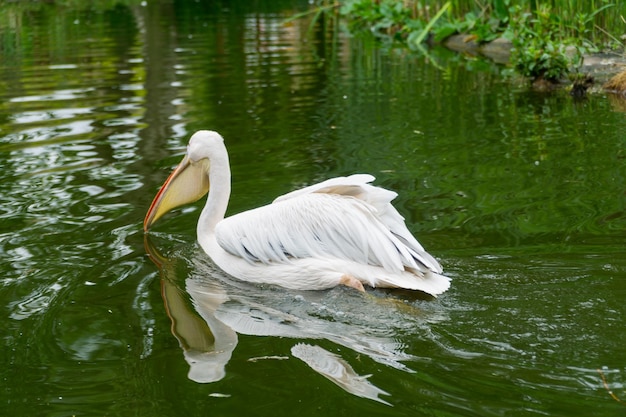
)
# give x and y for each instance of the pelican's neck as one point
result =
(219, 193)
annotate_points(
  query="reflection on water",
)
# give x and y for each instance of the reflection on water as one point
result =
(338, 371)
(363, 324)
(519, 194)
(207, 342)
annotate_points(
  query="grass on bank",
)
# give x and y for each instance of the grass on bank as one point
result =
(549, 38)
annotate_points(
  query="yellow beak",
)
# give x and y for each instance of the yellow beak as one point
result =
(186, 184)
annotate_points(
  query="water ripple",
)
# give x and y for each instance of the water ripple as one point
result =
(58, 95)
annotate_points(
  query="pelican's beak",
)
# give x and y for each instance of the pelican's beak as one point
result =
(186, 184)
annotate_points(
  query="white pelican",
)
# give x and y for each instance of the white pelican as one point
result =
(340, 231)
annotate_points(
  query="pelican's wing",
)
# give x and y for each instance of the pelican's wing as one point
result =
(358, 186)
(341, 217)
(354, 185)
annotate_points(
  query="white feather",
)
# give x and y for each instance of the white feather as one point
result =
(342, 217)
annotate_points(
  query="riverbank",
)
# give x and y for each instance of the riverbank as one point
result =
(551, 45)
(602, 66)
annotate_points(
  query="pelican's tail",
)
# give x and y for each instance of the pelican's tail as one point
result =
(429, 282)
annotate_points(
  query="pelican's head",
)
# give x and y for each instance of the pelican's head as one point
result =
(190, 179)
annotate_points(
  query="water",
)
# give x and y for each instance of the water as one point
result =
(519, 194)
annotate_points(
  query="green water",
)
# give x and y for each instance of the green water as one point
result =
(520, 195)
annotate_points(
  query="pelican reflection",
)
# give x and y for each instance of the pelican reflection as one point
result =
(212, 309)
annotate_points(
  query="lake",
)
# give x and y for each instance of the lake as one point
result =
(521, 195)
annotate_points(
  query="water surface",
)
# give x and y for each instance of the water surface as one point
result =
(520, 195)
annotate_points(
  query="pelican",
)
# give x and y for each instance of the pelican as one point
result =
(342, 231)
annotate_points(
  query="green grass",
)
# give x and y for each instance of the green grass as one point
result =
(549, 37)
